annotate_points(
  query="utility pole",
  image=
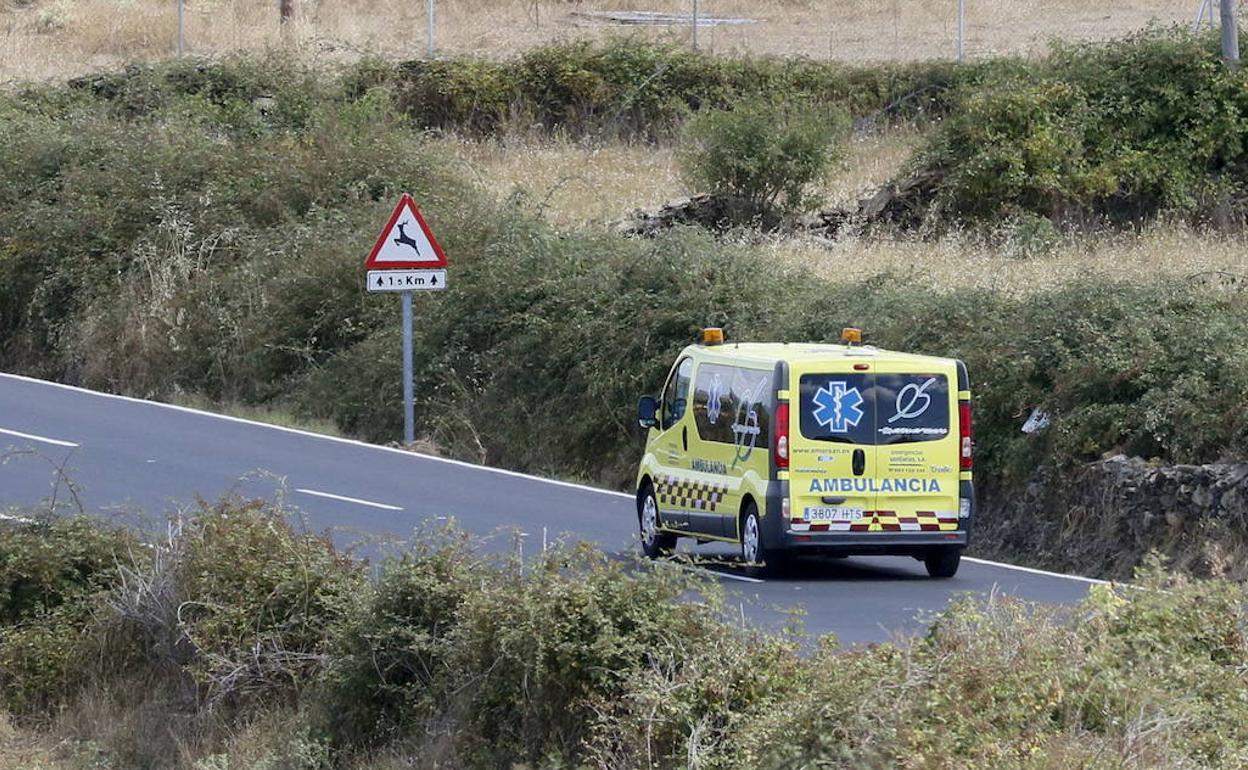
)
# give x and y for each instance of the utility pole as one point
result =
(1230, 35)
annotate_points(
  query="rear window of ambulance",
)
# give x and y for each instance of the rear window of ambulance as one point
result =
(868, 408)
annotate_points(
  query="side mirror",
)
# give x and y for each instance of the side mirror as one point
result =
(647, 409)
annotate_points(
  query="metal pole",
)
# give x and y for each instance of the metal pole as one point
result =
(961, 31)
(409, 410)
(1230, 35)
(430, 28)
(1200, 14)
(181, 4)
(695, 25)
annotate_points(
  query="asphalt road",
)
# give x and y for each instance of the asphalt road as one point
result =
(127, 455)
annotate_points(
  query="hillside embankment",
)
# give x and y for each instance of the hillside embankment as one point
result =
(195, 229)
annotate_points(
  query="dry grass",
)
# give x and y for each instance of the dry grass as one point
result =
(42, 39)
(24, 750)
(592, 186)
(1163, 251)
(578, 185)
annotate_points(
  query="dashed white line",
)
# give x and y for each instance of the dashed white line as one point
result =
(323, 437)
(356, 500)
(33, 437)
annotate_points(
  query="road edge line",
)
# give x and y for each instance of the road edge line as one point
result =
(1034, 571)
(300, 432)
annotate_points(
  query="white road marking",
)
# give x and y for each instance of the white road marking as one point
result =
(345, 499)
(1045, 573)
(33, 437)
(717, 573)
(448, 461)
(322, 436)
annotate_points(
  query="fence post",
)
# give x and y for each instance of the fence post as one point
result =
(181, 6)
(961, 31)
(430, 54)
(695, 25)
(1230, 35)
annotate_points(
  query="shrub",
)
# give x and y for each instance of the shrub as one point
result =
(50, 563)
(763, 153)
(52, 575)
(257, 600)
(1117, 131)
(627, 88)
(527, 654)
(575, 659)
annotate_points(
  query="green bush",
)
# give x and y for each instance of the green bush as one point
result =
(49, 563)
(765, 154)
(258, 600)
(1116, 132)
(634, 89)
(52, 575)
(575, 659)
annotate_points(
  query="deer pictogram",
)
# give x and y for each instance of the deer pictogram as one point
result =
(404, 238)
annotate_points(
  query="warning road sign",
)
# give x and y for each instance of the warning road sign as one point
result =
(406, 280)
(406, 242)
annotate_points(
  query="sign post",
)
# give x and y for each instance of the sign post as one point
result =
(406, 258)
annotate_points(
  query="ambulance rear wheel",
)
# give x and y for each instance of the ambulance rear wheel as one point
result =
(758, 558)
(943, 562)
(654, 542)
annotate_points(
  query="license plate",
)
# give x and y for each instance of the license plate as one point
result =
(827, 513)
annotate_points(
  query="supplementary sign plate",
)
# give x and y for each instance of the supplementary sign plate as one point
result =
(406, 280)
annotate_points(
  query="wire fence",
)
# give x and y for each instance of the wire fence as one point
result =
(52, 35)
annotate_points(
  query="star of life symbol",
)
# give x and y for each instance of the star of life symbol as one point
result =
(715, 403)
(838, 407)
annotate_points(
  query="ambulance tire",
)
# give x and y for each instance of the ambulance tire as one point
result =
(758, 558)
(654, 544)
(943, 562)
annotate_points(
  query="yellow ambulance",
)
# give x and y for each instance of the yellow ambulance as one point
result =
(813, 448)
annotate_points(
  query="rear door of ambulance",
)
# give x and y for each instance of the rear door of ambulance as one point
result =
(832, 463)
(917, 444)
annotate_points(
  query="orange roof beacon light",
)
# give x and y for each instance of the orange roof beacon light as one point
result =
(713, 336)
(851, 336)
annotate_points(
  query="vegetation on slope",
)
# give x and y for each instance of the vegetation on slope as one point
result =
(243, 640)
(198, 229)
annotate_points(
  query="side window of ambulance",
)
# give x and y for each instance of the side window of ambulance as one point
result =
(676, 393)
(730, 406)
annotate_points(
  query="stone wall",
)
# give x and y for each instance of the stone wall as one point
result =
(1104, 518)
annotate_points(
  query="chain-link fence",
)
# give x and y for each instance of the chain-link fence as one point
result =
(44, 38)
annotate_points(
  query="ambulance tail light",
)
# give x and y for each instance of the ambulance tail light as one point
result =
(964, 427)
(780, 441)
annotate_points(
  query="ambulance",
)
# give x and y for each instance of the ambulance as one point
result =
(791, 448)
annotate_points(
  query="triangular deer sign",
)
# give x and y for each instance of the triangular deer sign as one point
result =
(406, 242)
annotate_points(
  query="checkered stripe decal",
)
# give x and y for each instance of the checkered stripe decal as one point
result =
(685, 493)
(885, 521)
